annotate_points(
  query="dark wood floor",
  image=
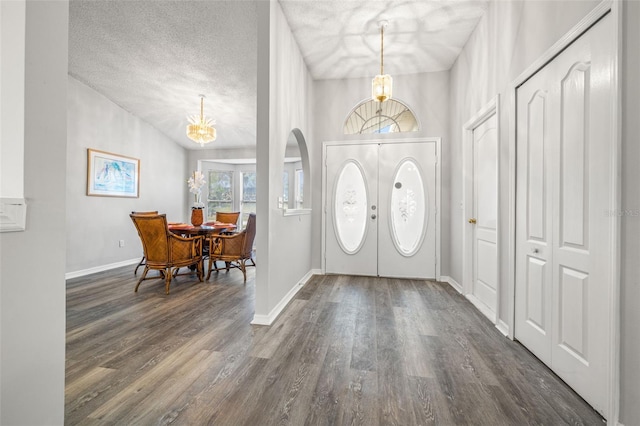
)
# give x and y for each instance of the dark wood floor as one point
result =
(347, 350)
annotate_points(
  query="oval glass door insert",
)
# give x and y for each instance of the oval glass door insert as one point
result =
(350, 207)
(409, 215)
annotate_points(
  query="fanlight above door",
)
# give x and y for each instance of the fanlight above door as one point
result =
(371, 116)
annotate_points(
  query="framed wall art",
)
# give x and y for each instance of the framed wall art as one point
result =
(112, 175)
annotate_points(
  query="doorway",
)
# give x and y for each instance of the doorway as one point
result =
(381, 202)
(481, 201)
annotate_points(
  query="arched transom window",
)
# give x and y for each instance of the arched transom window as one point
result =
(371, 116)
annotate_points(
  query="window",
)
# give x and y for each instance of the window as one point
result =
(299, 188)
(371, 116)
(285, 186)
(248, 196)
(220, 196)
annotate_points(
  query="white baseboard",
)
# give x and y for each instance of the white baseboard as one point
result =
(101, 268)
(484, 309)
(453, 283)
(271, 317)
(503, 327)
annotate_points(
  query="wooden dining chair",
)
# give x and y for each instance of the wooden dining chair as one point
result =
(144, 256)
(227, 217)
(234, 250)
(165, 251)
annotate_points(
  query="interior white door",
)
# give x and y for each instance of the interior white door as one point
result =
(381, 209)
(485, 217)
(407, 210)
(563, 236)
(351, 210)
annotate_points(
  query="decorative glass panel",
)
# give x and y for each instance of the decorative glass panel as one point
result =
(350, 207)
(408, 208)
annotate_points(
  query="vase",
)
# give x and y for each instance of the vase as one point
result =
(197, 216)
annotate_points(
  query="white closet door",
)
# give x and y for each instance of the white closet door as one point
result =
(563, 236)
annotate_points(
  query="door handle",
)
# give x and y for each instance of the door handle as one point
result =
(472, 220)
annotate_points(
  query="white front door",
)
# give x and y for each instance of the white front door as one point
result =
(484, 220)
(381, 209)
(406, 225)
(351, 216)
(563, 234)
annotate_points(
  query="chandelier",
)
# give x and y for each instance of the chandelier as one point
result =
(382, 83)
(201, 130)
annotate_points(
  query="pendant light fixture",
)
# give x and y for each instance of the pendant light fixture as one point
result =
(201, 129)
(382, 83)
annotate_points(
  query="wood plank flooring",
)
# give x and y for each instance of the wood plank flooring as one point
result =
(346, 351)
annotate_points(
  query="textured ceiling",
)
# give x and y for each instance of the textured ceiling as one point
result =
(153, 58)
(341, 39)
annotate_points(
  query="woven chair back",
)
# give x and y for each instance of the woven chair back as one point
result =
(250, 235)
(153, 233)
(227, 217)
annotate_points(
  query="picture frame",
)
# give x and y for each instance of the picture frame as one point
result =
(112, 175)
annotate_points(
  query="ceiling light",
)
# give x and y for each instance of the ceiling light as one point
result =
(382, 83)
(201, 129)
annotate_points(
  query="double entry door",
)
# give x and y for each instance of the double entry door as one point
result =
(380, 209)
(563, 233)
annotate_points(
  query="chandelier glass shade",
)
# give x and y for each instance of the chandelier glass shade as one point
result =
(382, 84)
(201, 129)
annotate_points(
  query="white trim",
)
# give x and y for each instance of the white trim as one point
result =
(277, 310)
(482, 307)
(13, 214)
(102, 268)
(492, 108)
(453, 283)
(503, 328)
(436, 140)
(604, 7)
(438, 205)
(616, 200)
(295, 212)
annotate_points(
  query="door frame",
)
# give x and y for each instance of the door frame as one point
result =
(485, 113)
(436, 140)
(605, 7)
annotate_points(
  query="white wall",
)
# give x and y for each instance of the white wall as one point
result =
(12, 33)
(284, 96)
(32, 283)
(426, 94)
(96, 224)
(630, 232)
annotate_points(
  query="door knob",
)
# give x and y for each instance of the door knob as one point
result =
(373, 216)
(472, 220)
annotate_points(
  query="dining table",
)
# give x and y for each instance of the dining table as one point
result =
(208, 230)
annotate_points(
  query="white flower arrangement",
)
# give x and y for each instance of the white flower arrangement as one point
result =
(196, 182)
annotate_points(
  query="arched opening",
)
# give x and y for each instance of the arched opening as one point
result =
(296, 173)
